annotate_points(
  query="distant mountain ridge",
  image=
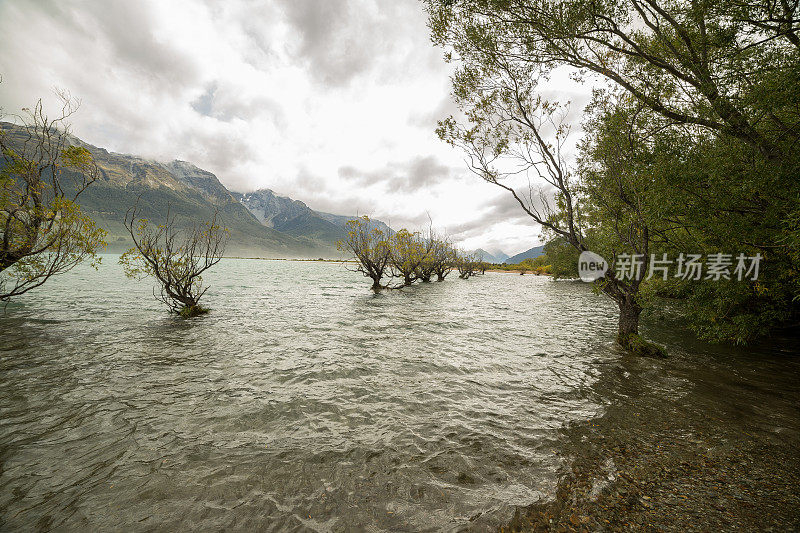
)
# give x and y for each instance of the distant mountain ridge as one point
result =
(483, 255)
(192, 194)
(532, 253)
(262, 223)
(296, 218)
(499, 255)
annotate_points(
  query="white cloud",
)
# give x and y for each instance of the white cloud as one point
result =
(333, 103)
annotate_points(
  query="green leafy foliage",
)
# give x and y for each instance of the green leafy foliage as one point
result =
(406, 256)
(43, 231)
(689, 146)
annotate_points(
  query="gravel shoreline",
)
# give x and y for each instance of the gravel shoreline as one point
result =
(682, 446)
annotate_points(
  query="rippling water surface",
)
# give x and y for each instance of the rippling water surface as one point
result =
(302, 402)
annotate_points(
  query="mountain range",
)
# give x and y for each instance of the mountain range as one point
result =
(489, 257)
(261, 223)
(293, 217)
(500, 257)
(532, 253)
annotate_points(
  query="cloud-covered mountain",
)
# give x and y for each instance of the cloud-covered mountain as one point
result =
(494, 257)
(483, 255)
(288, 216)
(294, 217)
(284, 227)
(499, 255)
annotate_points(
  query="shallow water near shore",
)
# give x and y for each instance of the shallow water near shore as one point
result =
(304, 402)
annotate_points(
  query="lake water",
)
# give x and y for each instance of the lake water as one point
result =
(301, 402)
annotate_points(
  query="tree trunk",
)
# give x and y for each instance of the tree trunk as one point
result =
(628, 336)
(629, 312)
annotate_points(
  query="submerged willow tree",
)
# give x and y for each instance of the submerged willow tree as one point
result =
(408, 253)
(465, 264)
(369, 247)
(405, 255)
(42, 173)
(438, 259)
(175, 256)
(444, 258)
(506, 138)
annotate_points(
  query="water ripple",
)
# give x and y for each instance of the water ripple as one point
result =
(302, 402)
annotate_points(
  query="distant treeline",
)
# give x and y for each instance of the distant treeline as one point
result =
(535, 265)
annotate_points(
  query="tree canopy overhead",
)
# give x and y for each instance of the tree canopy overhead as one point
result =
(689, 143)
(722, 66)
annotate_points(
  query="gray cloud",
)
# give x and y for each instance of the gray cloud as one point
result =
(125, 30)
(225, 105)
(335, 56)
(422, 172)
(428, 120)
(410, 176)
(280, 94)
(343, 39)
(503, 208)
(221, 152)
(205, 103)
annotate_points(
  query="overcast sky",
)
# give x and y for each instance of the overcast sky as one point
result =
(332, 102)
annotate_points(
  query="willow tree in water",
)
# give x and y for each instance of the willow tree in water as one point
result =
(42, 173)
(369, 247)
(444, 258)
(409, 252)
(435, 259)
(438, 260)
(508, 138)
(466, 264)
(175, 256)
(512, 132)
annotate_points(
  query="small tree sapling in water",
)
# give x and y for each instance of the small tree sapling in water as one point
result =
(175, 257)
